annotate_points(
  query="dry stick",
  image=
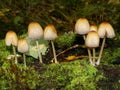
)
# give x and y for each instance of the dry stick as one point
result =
(24, 58)
(101, 50)
(75, 46)
(89, 53)
(85, 57)
(94, 56)
(39, 53)
(14, 51)
(54, 52)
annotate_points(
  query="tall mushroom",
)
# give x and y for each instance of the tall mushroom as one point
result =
(50, 33)
(82, 27)
(105, 30)
(23, 48)
(92, 41)
(12, 39)
(35, 32)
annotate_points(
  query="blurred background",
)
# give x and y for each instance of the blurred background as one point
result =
(17, 14)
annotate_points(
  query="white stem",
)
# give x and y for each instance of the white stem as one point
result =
(24, 58)
(54, 52)
(90, 57)
(89, 53)
(39, 53)
(94, 56)
(84, 37)
(101, 51)
(14, 51)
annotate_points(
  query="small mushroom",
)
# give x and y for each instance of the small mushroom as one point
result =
(92, 41)
(12, 39)
(82, 27)
(50, 33)
(35, 32)
(23, 47)
(105, 30)
(93, 28)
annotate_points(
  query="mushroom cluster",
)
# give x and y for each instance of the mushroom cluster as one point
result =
(92, 36)
(35, 32)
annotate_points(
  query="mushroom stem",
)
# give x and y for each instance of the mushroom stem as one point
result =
(94, 56)
(89, 53)
(90, 57)
(54, 52)
(24, 58)
(39, 53)
(84, 37)
(14, 51)
(101, 51)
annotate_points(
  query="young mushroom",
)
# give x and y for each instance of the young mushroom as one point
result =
(105, 30)
(23, 48)
(92, 41)
(12, 39)
(35, 32)
(82, 27)
(50, 33)
(93, 28)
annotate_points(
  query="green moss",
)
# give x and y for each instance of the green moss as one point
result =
(64, 76)
(4, 50)
(66, 39)
(71, 76)
(110, 55)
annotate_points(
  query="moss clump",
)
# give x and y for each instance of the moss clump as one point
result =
(76, 75)
(66, 40)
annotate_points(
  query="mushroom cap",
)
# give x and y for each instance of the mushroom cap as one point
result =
(35, 31)
(93, 28)
(11, 38)
(82, 26)
(92, 40)
(106, 30)
(50, 32)
(22, 46)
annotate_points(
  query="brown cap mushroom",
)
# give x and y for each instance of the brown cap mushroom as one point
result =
(82, 26)
(35, 31)
(23, 48)
(23, 45)
(92, 39)
(93, 28)
(106, 30)
(50, 32)
(11, 38)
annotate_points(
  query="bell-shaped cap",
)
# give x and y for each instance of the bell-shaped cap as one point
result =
(35, 31)
(50, 32)
(106, 30)
(92, 40)
(22, 46)
(11, 38)
(82, 26)
(93, 28)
